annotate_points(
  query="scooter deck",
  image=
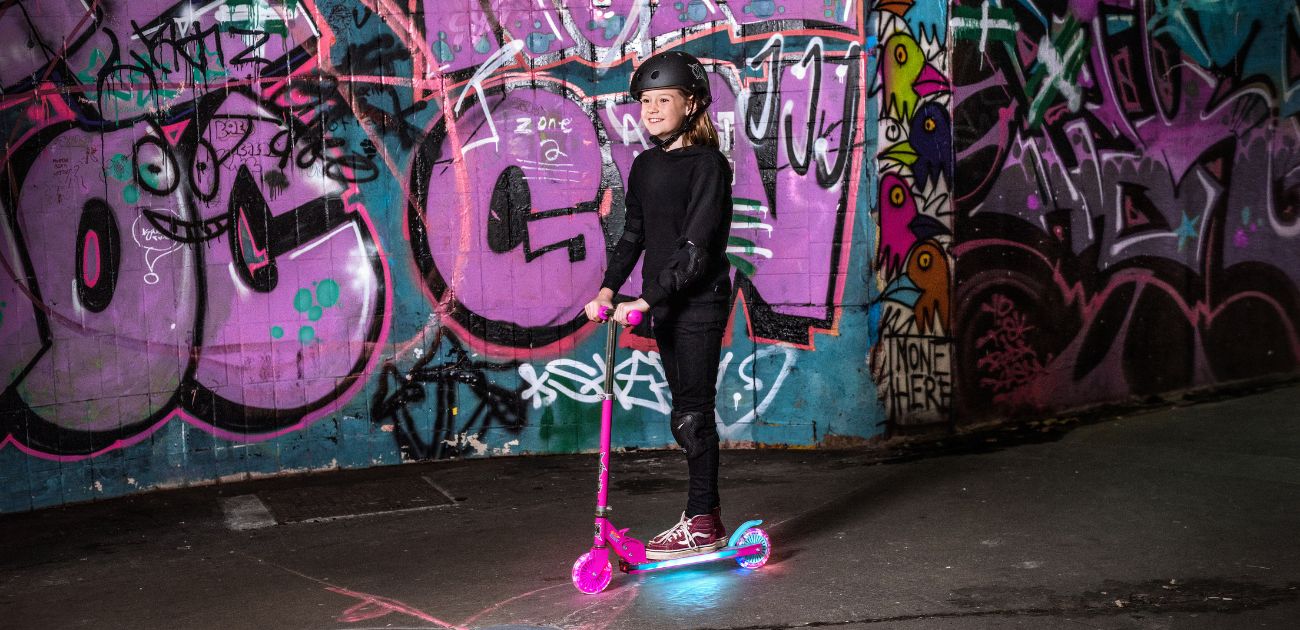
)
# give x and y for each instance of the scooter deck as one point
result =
(700, 558)
(733, 549)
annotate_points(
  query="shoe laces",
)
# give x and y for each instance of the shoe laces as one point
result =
(682, 531)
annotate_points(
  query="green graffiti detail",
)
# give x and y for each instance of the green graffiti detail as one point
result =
(302, 300)
(119, 167)
(544, 425)
(1056, 71)
(984, 24)
(149, 177)
(327, 293)
(1186, 231)
(2, 314)
(256, 20)
(151, 72)
(88, 76)
(741, 251)
(561, 436)
(441, 49)
(212, 69)
(1248, 220)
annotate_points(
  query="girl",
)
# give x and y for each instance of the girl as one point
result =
(679, 213)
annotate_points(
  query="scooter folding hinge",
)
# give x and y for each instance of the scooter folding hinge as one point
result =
(602, 512)
(604, 396)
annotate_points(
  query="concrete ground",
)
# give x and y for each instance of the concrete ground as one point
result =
(1181, 517)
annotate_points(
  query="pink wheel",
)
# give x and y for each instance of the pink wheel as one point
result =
(757, 559)
(590, 575)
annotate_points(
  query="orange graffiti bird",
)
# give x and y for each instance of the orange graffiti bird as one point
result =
(927, 268)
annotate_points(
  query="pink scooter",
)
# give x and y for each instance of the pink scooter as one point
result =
(592, 572)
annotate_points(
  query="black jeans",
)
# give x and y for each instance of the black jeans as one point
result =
(690, 351)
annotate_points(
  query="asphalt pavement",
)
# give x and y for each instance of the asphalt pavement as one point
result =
(1181, 516)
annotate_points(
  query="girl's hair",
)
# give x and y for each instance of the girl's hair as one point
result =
(702, 131)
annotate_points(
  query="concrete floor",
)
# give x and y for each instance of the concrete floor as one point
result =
(1182, 517)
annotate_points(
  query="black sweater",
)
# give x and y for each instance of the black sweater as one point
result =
(674, 197)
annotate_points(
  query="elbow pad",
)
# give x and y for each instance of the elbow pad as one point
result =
(684, 267)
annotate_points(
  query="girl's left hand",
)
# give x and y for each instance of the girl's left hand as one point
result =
(621, 311)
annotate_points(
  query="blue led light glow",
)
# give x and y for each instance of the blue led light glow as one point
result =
(729, 552)
(688, 560)
(695, 593)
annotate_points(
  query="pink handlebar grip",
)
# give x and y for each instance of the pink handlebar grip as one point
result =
(633, 317)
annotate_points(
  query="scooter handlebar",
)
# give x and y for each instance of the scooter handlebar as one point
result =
(633, 317)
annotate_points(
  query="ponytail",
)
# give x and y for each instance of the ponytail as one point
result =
(702, 130)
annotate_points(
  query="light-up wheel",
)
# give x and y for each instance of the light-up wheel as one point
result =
(590, 575)
(754, 536)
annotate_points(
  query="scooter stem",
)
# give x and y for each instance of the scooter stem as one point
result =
(607, 406)
(606, 425)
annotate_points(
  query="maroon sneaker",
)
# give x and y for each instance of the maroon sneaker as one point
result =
(690, 536)
(719, 530)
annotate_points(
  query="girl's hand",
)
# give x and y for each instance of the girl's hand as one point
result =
(620, 313)
(602, 300)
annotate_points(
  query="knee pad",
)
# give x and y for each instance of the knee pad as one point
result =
(695, 431)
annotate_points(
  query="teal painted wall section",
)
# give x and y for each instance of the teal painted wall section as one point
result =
(263, 237)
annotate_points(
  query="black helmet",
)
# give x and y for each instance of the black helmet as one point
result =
(672, 69)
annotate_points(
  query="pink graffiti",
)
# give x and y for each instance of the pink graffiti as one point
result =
(375, 606)
(897, 211)
(1009, 357)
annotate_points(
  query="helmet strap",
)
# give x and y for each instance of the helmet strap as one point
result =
(667, 142)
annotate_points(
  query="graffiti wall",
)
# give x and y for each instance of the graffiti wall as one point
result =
(1127, 187)
(255, 237)
(912, 361)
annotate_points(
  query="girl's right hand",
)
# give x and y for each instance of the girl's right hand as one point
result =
(604, 299)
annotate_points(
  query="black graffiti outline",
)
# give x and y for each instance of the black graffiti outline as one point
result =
(248, 54)
(283, 235)
(766, 321)
(17, 419)
(166, 34)
(23, 424)
(423, 164)
(497, 405)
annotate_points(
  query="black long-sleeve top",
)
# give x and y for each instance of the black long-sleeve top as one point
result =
(674, 197)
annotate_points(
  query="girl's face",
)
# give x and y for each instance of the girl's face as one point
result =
(662, 110)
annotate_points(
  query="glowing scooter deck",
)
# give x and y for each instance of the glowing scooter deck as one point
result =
(746, 542)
